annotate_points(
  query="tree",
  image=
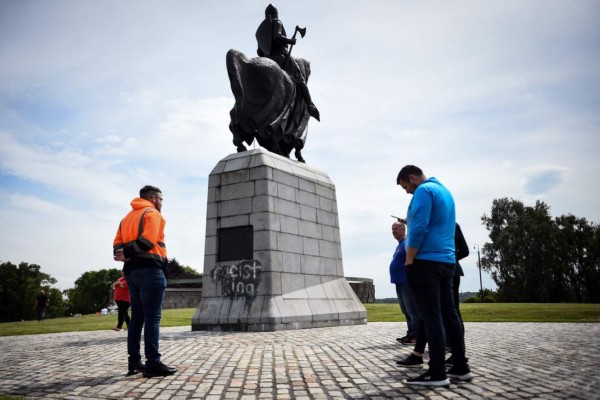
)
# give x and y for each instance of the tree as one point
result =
(580, 257)
(535, 258)
(92, 291)
(178, 271)
(19, 286)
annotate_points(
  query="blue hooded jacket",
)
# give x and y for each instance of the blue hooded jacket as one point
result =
(431, 221)
(397, 269)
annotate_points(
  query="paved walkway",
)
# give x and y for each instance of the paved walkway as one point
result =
(509, 361)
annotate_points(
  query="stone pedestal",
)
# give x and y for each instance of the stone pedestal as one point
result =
(273, 257)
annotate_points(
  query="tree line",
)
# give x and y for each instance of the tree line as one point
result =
(20, 284)
(533, 257)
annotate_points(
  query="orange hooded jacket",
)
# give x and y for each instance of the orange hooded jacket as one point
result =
(141, 236)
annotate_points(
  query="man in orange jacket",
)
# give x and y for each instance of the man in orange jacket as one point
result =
(140, 243)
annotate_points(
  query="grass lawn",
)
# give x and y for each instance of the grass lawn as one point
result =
(502, 312)
(472, 312)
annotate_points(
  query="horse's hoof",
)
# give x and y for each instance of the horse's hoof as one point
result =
(299, 156)
(241, 148)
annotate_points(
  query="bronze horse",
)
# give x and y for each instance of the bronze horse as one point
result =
(268, 105)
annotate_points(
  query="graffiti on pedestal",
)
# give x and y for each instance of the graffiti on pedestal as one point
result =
(239, 280)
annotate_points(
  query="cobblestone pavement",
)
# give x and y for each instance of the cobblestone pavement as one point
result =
(509, 360)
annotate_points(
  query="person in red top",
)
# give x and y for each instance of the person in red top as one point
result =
(122, 299)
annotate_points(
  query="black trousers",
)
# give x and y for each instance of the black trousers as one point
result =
(123, 308)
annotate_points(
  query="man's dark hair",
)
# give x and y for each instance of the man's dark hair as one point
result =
(148, 191)
(406, 171)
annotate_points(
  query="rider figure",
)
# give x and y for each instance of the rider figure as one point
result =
(275, 47)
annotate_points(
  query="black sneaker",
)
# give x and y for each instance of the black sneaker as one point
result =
(410, 361)
(135, 368)
(409, 339)
(401, 339)
(427, 380)
(159, 369)
(461, 374)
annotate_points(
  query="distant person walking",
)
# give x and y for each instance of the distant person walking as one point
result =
(140, 243)
(121, 296)
(398, 278)
(41, 302)
(430, 264)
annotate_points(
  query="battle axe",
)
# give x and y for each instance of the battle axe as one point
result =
(302, 33)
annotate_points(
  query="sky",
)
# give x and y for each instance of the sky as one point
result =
(99, 98)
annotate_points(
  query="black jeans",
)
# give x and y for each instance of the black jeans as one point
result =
(431, 283)
(123, 308)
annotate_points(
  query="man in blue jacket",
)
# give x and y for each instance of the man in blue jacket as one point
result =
(398, 277)
(430, 263)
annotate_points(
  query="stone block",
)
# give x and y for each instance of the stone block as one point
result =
(285, 207)
(265, 240)
(211, 227)
(286, 178)
(261, 173)
(271, 260)
(324, 191)
(265, 187)
(236, 164)
(327, 233)
(209, 311)
(210, 245)
(310, 229)
(323, 309)
(289, 225)
(218, 169)
(282, 166)
(270, 284)
(265, 221)
(286, 192)
(307, 199)
(252, 316)
(314, 287)
(289, 243)
(211, 195)
(311, 265)
(326, 218)
(329, 266)
(328, 249)
(293, 286)
(214, 181)
(211, 210)
(310, 246)
(292, 263)
(209, 261)
(308, 213)
(270, 311)
(209, 288)
(263, 204)
(234, 207)
(237, 220)
(293, 310)
(326, 204)
(260, 158)
(236, 191)
(337, 288)
(348, 309)
(306, 185)
(229, 178)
